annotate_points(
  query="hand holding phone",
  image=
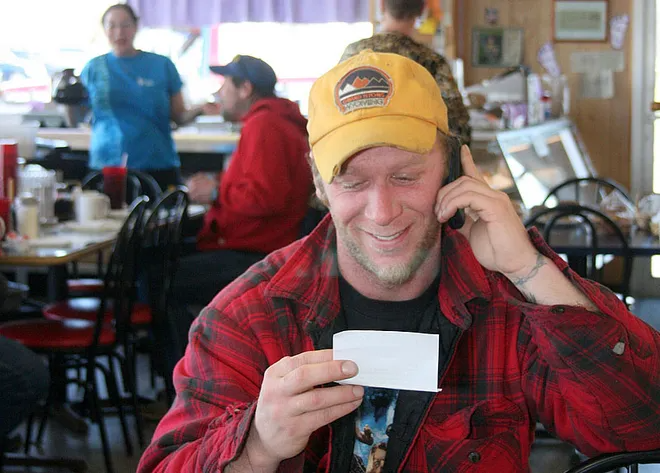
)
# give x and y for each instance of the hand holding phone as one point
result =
(497, 237)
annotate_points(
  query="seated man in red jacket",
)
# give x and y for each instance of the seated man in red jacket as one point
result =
(259, 202)
(519, 337)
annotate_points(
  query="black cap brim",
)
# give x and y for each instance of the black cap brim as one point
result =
(226, 70)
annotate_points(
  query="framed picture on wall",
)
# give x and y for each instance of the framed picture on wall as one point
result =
(580, 20)
(497, 47)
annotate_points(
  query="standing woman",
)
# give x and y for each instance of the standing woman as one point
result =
(133, 96)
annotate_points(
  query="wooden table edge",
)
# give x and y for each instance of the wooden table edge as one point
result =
(32, 260)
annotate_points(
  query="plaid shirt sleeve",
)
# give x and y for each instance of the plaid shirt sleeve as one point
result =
(592, 378)
(218, 383)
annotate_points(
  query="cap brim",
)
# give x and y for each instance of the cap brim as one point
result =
(226, 70)
(408, 133)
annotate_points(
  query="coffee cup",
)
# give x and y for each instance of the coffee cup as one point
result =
(91, 205)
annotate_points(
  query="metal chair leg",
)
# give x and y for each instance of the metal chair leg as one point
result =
(130, 360)
(93, 393)
(28, 434)
(115, 398)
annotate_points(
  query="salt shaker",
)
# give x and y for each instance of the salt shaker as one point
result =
(27, 215)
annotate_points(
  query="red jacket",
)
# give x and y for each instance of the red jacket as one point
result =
(263, 195)
(512, 363)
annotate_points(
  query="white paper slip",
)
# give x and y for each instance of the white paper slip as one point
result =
(394, 360)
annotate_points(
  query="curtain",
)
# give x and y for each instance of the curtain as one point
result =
(197, 13)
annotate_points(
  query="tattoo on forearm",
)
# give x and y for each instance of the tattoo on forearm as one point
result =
(540, 262)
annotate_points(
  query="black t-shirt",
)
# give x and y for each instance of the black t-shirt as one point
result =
(375, 418)
(362, 313)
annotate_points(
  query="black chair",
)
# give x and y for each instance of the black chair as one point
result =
(587, 191)
(81, 342)
(614, 461)
(570, 226)
(161, 245)
(137, 184)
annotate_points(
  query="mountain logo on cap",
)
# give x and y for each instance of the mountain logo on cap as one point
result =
(364, 87)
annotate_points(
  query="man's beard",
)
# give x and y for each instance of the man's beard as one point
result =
(398, 273)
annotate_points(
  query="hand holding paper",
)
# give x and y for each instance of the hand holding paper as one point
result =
(292, 405)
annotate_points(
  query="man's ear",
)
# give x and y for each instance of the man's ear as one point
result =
(318, 182)
(320, 195)
(245, 90)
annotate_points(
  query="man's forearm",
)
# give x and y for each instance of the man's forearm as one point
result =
(545, 284)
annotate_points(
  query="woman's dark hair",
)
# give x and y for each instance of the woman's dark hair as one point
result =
(121, 6)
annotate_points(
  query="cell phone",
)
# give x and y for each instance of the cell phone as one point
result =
(455, 170)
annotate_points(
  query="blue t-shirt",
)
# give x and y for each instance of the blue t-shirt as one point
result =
(130, 101)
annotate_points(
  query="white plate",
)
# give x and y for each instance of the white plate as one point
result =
(118, 214)
(95, 226)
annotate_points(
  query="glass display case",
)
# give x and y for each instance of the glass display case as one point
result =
(528, 162)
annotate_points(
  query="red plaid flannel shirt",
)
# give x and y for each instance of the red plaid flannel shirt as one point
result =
(515, 363)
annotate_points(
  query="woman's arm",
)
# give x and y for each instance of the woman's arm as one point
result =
(179, 113)
(182, 115)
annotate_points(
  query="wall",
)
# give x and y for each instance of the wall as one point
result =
(603, 124)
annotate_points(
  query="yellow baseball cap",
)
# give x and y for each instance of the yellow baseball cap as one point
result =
(373, 99)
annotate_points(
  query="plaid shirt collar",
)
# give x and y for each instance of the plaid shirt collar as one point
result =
(310, 278)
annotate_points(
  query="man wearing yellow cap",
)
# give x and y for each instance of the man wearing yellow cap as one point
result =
(521, 337)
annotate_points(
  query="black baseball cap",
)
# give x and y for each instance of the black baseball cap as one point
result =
(250, 68)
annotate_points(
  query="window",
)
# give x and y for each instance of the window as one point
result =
(299, 53)
(70, 33)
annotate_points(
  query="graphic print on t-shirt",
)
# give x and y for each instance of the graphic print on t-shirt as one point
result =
(374, 418)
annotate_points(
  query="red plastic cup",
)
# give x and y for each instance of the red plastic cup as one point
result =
(114, 185)
(8, 164)
(5, 215)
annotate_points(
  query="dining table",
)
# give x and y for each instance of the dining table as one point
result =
(64, 243)
(575, 241)
(56, 248)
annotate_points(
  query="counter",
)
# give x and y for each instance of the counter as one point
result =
(201, 149)
(186, 139)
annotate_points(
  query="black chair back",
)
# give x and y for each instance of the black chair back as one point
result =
(161, 244)
(162, 240)
(569, 225)
(120, 275)
(614, 461)
(587, 191)
(137, 184)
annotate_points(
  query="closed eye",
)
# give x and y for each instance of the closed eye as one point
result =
(405, 178)
(351, 185)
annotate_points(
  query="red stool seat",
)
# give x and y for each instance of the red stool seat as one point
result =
(86, 308)
(43, 334)
(85, 286)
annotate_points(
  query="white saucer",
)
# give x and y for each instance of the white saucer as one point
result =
(118, 214)
(95, 226)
